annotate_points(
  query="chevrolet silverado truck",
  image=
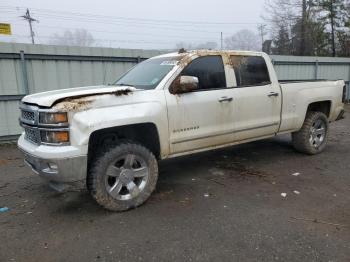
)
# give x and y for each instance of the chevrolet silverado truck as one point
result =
(111, 137)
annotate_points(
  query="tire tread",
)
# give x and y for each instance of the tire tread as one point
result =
(300, 138)
(102, 159)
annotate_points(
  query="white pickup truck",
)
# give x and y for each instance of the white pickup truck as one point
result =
(171, 105)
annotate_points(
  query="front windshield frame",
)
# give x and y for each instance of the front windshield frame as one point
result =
(169, 63)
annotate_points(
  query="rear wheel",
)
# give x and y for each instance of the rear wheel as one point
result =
(313, 136)
(123, 177)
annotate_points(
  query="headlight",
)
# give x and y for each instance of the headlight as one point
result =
(53, 118)
(54, 137)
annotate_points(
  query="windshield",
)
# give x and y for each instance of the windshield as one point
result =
(149, 73)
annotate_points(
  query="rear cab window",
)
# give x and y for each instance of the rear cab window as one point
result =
(250, 70)
(209, 70)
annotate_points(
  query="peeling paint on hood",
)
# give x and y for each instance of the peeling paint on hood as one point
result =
(50, 98)
(84, 102)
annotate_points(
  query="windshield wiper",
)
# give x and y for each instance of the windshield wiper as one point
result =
(121, 84)
(124, 84)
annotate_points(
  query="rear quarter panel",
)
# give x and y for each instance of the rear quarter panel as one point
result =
(298, 96)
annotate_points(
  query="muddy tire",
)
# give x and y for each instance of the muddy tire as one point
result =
(123, 176)
(313, 136)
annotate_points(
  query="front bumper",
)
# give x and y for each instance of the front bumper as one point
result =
(64, 170)
(54, 164)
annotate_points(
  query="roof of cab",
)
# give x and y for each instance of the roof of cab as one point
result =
(202, 52)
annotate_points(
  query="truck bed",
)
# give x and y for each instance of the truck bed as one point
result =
(299, 94)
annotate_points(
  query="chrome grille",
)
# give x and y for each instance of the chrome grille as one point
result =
(32, 135)
(28, 115)
(29, 120)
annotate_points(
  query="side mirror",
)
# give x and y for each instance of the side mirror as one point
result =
(184, 84)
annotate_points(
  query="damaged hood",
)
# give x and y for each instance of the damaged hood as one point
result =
(49, 98)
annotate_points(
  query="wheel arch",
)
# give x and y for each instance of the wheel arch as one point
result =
(320, 106)
(143, 133)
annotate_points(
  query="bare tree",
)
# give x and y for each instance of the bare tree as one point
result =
(243, 40)
(79, 37)
(282, 13)
(299, 21)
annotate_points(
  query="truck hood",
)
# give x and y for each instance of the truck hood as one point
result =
(48, 99)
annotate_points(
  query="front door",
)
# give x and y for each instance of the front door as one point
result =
(202, 118)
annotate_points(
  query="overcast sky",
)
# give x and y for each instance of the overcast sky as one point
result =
(131, 23)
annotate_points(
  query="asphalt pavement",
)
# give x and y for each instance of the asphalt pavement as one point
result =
(260, 201)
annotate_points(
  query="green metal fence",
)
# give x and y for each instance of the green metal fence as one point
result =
(27, 69)
(311, 68)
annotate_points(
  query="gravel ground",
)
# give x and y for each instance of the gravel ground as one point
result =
(223, 205)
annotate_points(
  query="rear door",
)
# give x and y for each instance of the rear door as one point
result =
(256, 99)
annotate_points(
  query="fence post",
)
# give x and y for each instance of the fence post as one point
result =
(347, 83)
(24, 73)
(316, 69)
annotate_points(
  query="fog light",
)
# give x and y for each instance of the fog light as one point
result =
(52, 166)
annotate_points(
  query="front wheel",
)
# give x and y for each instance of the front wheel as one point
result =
(313, 136)
(123, 177)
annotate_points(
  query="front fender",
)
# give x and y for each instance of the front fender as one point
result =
(84, 123)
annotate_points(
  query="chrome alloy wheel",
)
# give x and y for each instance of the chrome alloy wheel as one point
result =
(317, 133)
(126, 177)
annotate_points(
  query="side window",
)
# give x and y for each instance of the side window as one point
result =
(250, 70)
(209, 70)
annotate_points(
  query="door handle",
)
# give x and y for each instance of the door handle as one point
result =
(272, 94)
(225, 99)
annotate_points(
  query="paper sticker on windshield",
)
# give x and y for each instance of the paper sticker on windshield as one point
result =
(170, 62)
(155, 80)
